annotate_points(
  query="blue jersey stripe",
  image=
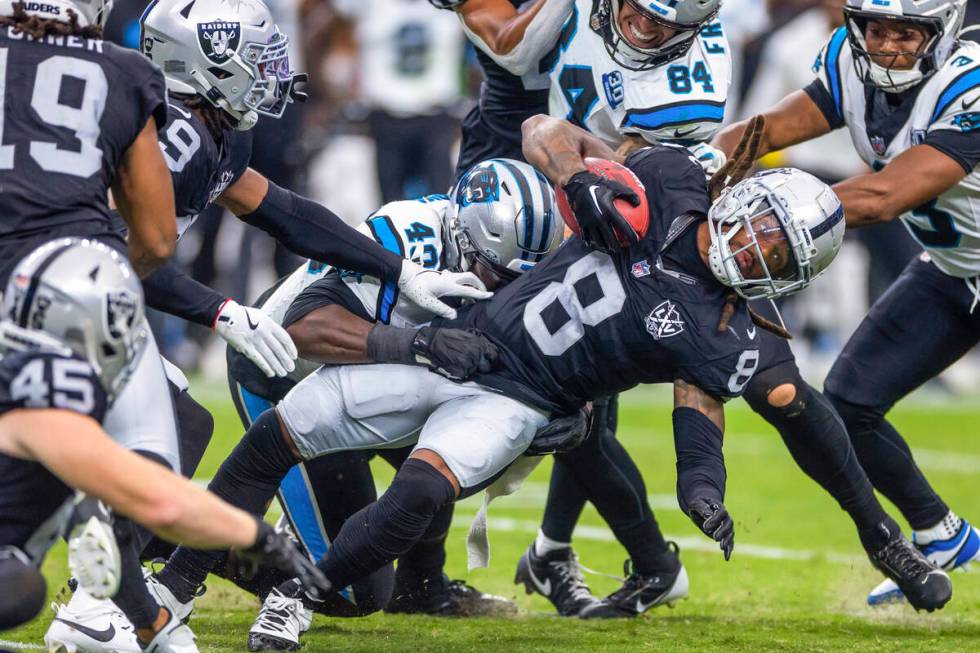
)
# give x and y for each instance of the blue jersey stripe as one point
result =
(384, 232)
(962, 84)
(833, 68)
(675, 114)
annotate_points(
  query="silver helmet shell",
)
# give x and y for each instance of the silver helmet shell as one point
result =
(687, 16)
(229, 51)
(503, 213)
(806, 210)
(84, 295)
(942, 18)
(90, 12)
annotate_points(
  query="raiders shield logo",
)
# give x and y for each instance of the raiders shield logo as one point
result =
(219, 40)
(664, 321)
(121, 308)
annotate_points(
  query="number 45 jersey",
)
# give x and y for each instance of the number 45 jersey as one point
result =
(583, 324)
(72, 107)
(682, 101)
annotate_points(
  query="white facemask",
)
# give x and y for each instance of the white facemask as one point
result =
(891, 80)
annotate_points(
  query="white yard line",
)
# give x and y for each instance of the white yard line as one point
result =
(20, 646)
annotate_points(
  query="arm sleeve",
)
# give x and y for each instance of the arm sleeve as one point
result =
(171, 290)
(700, 461)
(311, 230)
(326, 291)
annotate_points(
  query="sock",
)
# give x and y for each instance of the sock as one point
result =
(425, 560)
(543, 545)
(133, 598)
(948, 527)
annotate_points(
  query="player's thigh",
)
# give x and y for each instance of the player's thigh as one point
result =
(142, 417)
(917, 329)
(357, 407)
(480, 434)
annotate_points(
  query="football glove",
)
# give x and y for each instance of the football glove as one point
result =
(710, 158)
(257, 337)
(457, 354)
(714, 521)
(561, 434)
(277, 550)
(592, 200)
(425, 287)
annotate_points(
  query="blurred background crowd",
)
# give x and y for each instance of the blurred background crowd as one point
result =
(390, 81)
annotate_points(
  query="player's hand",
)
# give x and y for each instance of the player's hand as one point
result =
(561, 434)
(258, 337)
(592, 200)
(277, 550)
(425, 287)
(710, 158)
(457, 354)
(714, 521)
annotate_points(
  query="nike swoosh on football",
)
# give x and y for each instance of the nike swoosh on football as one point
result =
(545, 587)
(98, 635)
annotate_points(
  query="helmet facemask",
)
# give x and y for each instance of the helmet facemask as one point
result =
(605, 21)
(889, 78)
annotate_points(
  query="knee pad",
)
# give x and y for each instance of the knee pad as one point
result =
(24, 589)
(418, 490)
(777, 392)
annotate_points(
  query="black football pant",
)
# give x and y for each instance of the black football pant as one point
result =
(918, 328)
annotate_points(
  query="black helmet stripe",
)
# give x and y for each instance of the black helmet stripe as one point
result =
(25, 308)
(528, 202)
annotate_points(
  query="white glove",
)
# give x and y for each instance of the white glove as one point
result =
(424, 287)
(710, 158)
(258, 337)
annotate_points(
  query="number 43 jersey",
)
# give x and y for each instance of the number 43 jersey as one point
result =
(681, 101)
(583, 324)
(71, 108)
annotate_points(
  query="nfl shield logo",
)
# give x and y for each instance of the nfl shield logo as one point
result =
(641, 269)
(219, 40)
(878, 145)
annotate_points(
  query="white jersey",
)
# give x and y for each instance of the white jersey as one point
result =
(681, 101)
(413, 228)
(949, 226)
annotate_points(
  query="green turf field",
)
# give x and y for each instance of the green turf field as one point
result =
(796, 582)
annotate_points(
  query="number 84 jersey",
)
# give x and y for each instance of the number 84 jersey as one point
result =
(682, 101)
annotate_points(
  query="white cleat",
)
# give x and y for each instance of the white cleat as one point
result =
(174, 637)
(167, 600)
(90, 625)
(279, 624)
(93, 558)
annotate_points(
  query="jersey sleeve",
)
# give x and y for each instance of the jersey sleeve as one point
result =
(725, 377)
(241, 153)
(149, 90)
(954, 127)
(827, 90)
(36, 379)
(675, 185)
(329, 290)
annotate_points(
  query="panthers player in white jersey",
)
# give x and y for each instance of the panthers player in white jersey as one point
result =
(903, 83)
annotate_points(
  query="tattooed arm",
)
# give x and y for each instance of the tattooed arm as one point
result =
(558, 148)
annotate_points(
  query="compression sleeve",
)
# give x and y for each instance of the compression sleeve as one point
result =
(315, 232)
(171, 290)
(700, 461)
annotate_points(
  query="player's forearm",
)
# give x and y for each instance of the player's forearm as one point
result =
(331, 335)
(559, 148)
(699, 425)
(515, 40)
(171, 290)
(794, 120)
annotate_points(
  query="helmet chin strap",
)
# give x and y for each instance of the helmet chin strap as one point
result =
(244, 120)
(890, 80)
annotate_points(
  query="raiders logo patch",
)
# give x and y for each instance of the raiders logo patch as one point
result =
(121, 308)
(219, 40)
(664, 321)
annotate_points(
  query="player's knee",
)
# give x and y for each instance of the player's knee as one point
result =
(782, 395)
(420, 489)
(437, 463)
(24, 590)
(858, 419)
(776, 392)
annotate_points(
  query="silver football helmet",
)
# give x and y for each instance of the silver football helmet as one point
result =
(229, 51)
(942, 19)
(774, 233)
(687, 16)
(81, 294)
(503, 214)
(90, 12)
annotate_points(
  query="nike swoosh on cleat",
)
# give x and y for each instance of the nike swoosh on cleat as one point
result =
(98, 635)
(967, 105)
(545, 587)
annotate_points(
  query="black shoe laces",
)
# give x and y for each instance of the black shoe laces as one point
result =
(901, 555)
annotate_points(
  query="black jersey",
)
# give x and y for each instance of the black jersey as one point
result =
(33, 502)
(72, 107)
(583, 324)
(201, 167)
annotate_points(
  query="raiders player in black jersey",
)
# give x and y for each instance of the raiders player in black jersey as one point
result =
(64, 360)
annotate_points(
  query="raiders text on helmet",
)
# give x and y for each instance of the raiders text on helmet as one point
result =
(90, 12)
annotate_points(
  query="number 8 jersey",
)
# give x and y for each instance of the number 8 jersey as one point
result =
(71, 108)
(583, 324)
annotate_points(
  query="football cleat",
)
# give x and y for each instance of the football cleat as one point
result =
(279, 624)
(93, 558)
(954, 552)
(174, 637)
(639, 593)
(90, 625)
(166, 598)
(440, 597)
(926, 586)
(556, 576)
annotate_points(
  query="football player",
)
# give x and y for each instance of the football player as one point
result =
(898, 77)
(69, 344)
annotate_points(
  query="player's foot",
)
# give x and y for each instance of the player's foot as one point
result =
(279, 624)
(90, 625)
(926, 586)
(93, 558)
(167, 600)
(174, 637)
(639, 593)
(556, 576)
(954, 546)
(438, 596)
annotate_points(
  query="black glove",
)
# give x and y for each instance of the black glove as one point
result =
(714, 521)
(457, 354)
(277, 550)
(591, 199)
(561, 434)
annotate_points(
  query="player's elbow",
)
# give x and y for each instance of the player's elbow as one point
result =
(163, 515)
(303, 333)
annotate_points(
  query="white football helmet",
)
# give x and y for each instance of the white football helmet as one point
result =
(503, 214)
(774, 233)
(229, 51)
(90, 12)
(83, 295)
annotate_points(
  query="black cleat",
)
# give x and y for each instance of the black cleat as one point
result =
(438, 596)
(640, 593)
(557, 577)
(926, 586)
